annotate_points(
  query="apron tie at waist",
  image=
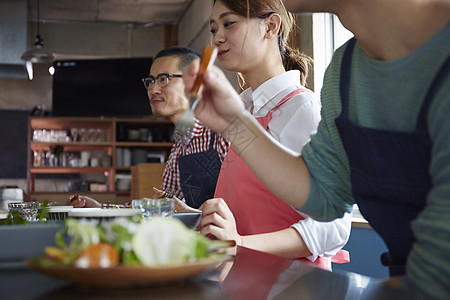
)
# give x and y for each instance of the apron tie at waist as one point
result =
(342, 257)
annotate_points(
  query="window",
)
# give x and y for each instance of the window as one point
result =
(328, 35)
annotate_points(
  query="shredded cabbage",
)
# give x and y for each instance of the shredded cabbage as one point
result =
(159, 241)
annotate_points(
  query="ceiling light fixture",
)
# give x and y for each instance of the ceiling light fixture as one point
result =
(37, 53)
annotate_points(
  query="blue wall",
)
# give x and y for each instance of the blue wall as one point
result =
(365, 247)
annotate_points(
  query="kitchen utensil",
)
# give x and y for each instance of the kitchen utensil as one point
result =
(186, 122)
(179, 205)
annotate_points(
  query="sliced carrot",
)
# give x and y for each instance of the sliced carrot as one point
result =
(101, 255)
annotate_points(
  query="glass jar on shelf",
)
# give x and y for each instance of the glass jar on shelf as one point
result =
(74, 160)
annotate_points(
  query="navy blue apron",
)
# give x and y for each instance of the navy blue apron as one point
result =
(389, 171)
(198, 175)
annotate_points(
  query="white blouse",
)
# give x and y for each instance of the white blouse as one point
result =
(291, 125)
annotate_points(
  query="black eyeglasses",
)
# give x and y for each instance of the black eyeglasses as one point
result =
(162, 79)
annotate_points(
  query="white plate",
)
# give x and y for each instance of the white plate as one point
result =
(107, 212)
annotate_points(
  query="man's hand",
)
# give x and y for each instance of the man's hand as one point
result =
(82, 201)
(180, 206)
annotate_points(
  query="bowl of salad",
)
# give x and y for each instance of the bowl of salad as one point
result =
(127, 253)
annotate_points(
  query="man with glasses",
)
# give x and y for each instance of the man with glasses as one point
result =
(192, 168)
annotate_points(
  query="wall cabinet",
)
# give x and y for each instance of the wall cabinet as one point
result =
(109, 146)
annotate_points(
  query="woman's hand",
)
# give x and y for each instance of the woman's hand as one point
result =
(219, 104)
(218, 220)
(180, 206)
(82, 201)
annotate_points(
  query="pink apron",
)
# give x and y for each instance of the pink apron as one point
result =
(256, 209)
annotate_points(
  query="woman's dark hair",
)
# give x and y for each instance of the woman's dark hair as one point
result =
(292, 58)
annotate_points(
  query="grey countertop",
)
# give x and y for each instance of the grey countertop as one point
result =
(250, 275)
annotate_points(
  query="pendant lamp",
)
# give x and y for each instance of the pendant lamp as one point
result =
(37, 53)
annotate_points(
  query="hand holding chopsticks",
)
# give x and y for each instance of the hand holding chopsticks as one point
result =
(186, 122)
(180, 206)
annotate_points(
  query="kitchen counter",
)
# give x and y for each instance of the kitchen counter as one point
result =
(360, 223)
(250, 275)
(358, 220)
(365, 247)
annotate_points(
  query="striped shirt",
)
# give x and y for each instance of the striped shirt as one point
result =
(199, 143)
(388, 95)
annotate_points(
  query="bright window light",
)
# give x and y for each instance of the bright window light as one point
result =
(328, 35)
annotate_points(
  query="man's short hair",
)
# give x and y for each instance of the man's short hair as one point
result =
(185, 54)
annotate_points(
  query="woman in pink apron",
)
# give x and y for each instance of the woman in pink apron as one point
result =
(244, 209)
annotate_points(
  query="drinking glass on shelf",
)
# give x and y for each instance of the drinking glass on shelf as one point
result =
(75, 135)
(45, 134)
(154, 207)
(99, 136)
(126, 157)
(91, 135)
(82, 135)
(53, 136)
(62, 136)
(37, 135)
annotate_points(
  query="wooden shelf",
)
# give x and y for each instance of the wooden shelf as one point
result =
(111, 128)
(123, 169)
(69, 122)
(57, 170)
(144, 144)
(72, 146)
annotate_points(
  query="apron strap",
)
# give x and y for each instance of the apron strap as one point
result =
(264, 121)
(211, 143)
(421, 124)
(289, 96)
(346, 67)
(441, 75)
